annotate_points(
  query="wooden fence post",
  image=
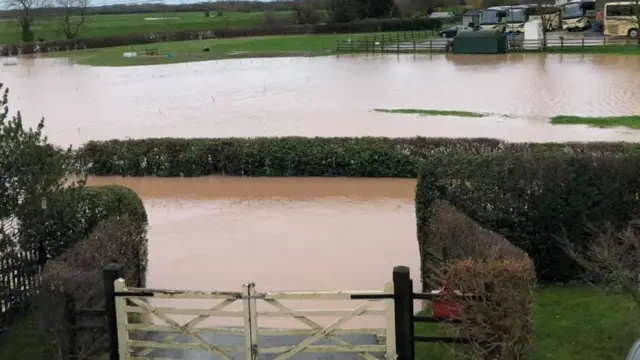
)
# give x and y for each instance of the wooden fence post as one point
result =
(110, 274)
(403, 307)
(71, 328)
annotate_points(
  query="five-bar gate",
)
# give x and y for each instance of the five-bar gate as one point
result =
(171, 338)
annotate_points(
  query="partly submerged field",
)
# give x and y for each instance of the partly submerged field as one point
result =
(187, 51)
(115, 25)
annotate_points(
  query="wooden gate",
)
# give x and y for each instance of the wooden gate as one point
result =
(194, 335)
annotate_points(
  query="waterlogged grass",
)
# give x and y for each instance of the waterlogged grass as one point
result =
(424, 112)
(189, 51)
(632, 121)
(569, 323)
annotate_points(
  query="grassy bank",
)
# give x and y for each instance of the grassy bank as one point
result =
(189, 51)
(424, 112)
(124, 24)
(569, 323)
(632, 121)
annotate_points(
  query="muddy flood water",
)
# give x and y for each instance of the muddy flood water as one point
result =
(328, 96)
(290, 234)
(308, 234)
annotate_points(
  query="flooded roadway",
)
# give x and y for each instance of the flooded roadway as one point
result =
(328, 96)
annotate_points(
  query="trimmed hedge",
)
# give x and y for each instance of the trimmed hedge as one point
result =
(534, 199)
(71, 215)
(301, 156)
(361, 26)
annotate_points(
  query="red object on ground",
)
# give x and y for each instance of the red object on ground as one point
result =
(444, 307)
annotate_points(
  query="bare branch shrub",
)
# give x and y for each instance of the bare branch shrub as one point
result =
(611, 257)
(461, 238)
(76, 277)
(480, 262)
(499, 325)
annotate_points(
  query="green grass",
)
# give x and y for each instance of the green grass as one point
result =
(609, 49)
(569, 323)
(632, 121)
(124, 24)
(432, 112)
(188, 51)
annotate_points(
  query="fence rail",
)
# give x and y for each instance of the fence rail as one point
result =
(419, 44)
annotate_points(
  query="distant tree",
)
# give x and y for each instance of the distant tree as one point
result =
(74, 16)
(26, 12)
(306, 11)
(344, 10)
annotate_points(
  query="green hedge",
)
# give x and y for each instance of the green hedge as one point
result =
(300, 156)
(533, 200)
(73, 213)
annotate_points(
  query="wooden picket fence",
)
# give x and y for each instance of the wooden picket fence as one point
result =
(18, 279)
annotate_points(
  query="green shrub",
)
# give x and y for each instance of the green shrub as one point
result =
(72, 214)
(533, 199)
(300, 156)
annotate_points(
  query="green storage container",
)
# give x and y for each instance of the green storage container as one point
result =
(479, 42)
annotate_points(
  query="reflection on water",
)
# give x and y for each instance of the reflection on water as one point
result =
(281, 233)
(328, 96)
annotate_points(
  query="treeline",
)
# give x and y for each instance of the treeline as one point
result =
(225, 6)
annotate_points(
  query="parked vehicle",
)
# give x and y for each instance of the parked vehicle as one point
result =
(621, 19)
(452, 31)
(578, 15)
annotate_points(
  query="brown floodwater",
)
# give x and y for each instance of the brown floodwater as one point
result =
(290, 234)
(328, 96)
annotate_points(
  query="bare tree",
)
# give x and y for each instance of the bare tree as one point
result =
(26, 13)
(548, 15)
(305, 11)
(612, 258)
(74, 16)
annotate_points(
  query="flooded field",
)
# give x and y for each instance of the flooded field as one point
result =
(328, 96)
(289, 234)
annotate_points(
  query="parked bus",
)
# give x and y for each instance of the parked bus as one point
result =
(492, 19)
(548, 15)
(622, 19)
(515, 18)
(578, 15)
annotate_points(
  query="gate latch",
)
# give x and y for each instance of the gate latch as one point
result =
(254, 296)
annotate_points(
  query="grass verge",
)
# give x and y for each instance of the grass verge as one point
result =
(630, 49)
(189, 51)
(569, 323)
(432, 112)
(632, 121)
